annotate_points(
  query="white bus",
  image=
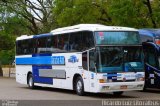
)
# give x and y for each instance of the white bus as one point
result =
(85, 58)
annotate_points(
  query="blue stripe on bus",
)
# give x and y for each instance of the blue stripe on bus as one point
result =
(37, 78)
(111, 75)
(55, 60)
(43, 59)
(42, 35)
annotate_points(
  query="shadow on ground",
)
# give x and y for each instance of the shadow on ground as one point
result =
(151, 90)
(92, 95)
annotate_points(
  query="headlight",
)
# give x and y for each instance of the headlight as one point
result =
(102, 81)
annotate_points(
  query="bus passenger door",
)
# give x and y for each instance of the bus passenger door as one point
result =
(85, 74)
(92, 70)
(151, 65)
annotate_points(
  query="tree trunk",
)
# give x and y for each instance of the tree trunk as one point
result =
(148, 4)
(1, 71)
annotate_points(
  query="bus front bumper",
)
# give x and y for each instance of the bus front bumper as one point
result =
(120, 86)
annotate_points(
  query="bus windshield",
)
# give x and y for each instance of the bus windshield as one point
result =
(117, 38)
(119, 59)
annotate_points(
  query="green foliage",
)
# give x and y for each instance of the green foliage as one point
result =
(156, 11)
(78, 11)
(16, 18)
(7, 46)
(130, 13)
(7, 56)
(6, 41)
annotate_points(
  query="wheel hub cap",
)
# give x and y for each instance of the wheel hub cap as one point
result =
(30, 82)
(79, 86)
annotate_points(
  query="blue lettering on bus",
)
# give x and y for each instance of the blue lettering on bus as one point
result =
(55, 60)
(92, 75)
(73, 59)
(58, 60)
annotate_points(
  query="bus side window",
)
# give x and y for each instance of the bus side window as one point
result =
(92, 60)
(25, 46)
(18, 47)
(49, 47)
(88, 40)
(76, 42)
(54, 44)
(84, 61)
(31, 46)
(63, 43)
(41, 45)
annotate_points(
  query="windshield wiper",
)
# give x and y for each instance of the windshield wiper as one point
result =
(118, 57)
(132, 67)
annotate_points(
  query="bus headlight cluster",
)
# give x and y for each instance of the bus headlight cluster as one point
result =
(105, 80)
(102, 80)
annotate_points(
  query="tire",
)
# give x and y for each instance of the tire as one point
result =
(30, 81)
(79, 86)
(118, 93)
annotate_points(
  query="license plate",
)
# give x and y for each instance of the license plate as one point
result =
(123, 87)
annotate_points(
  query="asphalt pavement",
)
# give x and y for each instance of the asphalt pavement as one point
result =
(10, 89)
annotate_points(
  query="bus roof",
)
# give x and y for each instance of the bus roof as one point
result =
(22, 37)
(90, 27)
(80, 27)
(42, 35)
(150, 32)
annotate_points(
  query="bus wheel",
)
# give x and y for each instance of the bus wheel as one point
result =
(30, 81)
(118, 93)
(79, 86)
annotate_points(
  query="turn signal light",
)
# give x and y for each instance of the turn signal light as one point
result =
(157, 41)
(102, 81)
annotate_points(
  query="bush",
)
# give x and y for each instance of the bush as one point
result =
(7, 56)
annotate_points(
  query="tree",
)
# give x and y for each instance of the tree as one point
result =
(8, 30)
(130, 13)
(71, 12)
(155, 14)
(20, 17)
(150, 12)
(38, 15)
